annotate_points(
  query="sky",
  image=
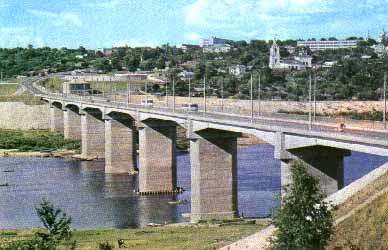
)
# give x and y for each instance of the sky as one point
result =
(103, 23)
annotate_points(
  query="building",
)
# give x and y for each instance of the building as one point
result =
(186, 75)
(290, 49)
(300, 62)
(105, 51)
(237, 70)
(331, 44)
(380, 48)
(217, 48)
(205, 42)
(188, 47)
(77, 87)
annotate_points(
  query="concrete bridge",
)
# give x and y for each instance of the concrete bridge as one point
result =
(107, 130)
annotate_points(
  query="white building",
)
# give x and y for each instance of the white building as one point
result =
(381, 49)
(217, 48)
(205, 42)
(331, 44)
(186, 75)
(237, 70)
(300, 62)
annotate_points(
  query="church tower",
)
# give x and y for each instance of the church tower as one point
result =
(274, 55)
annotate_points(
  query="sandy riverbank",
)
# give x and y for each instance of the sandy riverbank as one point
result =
(63, 153)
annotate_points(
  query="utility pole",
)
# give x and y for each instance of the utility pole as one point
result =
(189, 92)
(222, 94)
(310, 104)
(173, 94)
(166, 87)
(251, 97)
(1, 73)
(259, 94)
(315, 96)
(204, 94)
(385, 101)
(128, 93)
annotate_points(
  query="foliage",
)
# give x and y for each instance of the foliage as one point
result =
(35, 141)
(105, 246)
(57, 225)
(304, 220)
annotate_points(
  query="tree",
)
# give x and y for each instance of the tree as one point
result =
(304, 220)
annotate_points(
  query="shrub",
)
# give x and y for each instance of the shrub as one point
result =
(105, 246)
(304, 220)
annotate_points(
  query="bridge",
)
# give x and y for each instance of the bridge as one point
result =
(107, 130)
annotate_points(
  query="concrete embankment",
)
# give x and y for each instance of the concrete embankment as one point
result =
(17, 115)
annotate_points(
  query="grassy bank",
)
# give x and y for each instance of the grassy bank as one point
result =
(26, 98)
(8, 89)
(35, 141)
(204, 237)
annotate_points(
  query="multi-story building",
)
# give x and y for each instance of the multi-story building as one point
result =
(331, 44)
(237, 70)
(205, 42)
(217, 48)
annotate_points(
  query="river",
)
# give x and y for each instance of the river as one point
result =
(96, 200)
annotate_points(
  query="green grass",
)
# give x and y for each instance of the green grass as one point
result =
(26, 98)
(169, 238)
(35, 141)
(8, 89)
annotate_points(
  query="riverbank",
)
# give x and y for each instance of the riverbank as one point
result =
(172, 237)
(35, 141)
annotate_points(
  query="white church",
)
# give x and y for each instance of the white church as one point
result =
(299, 62)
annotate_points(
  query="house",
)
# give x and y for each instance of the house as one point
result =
(105, 51)
(329, 64)
(188, 47)
(186, 75)
(206, 42)
(237, 70)
(217, 48)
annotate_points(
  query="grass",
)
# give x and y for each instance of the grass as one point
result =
(8, 89)
(204, 237)
(367, 228)
(35, 141)
(26, 98)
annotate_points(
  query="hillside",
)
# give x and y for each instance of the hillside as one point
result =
(367, 226)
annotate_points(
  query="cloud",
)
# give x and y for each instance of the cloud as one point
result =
(106, 4)
(192, 36)
(58, 19)
(18, 36)
(134, 42)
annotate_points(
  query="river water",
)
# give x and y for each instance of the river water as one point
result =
(96, 200)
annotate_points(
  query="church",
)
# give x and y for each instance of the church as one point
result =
(299, 62)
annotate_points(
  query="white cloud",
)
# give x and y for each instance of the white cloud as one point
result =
(18, 36)
(58, 19)
(192, 36)
(106, 4)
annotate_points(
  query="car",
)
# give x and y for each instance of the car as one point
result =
(191, 107)
(147, 102)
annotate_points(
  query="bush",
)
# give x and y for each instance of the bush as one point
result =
(105, 246)
(304, 220)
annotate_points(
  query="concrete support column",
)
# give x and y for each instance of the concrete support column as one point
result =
(157, 170)
(72, 123)
(213, 156)
(56, 118)
(120, 145)
(93, 134)
(325, 163)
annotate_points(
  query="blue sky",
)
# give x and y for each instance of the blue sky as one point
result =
(103, 23)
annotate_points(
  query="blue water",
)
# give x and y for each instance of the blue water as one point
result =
(96, 200)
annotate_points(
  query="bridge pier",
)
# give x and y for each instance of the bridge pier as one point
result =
(72, 123)
(157, 143)
(93, 134)
(213, 156)
(324, 163)
(56, 118)
(120, 145)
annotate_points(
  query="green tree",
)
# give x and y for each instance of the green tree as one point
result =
(304, 220)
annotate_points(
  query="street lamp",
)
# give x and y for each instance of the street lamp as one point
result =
(251, 97)
(385, 100)
(204, 93)
(310, 104)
